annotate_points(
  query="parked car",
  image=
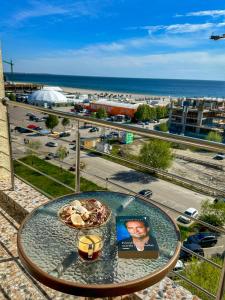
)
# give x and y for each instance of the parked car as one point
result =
(64, 134)
(219, 200)
(146, 193)
(219, 157)
(72, 169)
(31, 126)
(32, 117)
(54, 134)
(204, 239)
(178, 268)
(94, 129)
(140, 123)
(114, 133)
(193, 247)
(38, 128)
(23, 130)
(37, 119)
(51, 144)
(29, 114)
(190, 212)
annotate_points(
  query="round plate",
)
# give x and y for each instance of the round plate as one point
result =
(87, 203)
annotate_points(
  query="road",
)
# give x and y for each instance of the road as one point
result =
(163, 192)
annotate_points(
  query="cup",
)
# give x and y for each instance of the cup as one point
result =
(89, 246)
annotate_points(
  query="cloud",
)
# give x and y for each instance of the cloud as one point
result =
(203, 13)
(183, 28)
(190, 65)
(43, 9)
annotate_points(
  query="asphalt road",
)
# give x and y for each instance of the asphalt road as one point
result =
(163, 192)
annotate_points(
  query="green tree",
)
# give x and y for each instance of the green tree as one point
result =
(61, 153)
(51, 122)
(65, 122)
(11, 96)
(101, 113)
(143, 112)
(214, 137)
(163, 127)
(213, 214)
(32, 148)
(156, 154)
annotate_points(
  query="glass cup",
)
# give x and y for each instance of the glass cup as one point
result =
(89, 245)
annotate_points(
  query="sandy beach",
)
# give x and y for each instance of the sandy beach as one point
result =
(129, 95)
(73, 90)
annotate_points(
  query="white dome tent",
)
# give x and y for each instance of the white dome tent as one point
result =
(49, 98)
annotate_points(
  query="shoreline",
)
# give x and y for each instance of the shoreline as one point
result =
(132, 96)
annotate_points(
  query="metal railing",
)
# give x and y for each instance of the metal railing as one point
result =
(188, 141)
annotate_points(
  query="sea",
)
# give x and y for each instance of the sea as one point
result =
(148, 86)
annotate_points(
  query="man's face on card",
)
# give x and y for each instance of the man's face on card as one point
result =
(137, 229)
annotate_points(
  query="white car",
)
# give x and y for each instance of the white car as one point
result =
(190, 212)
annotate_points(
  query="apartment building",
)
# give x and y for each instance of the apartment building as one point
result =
(195, 115)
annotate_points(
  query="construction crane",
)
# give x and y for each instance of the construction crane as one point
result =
(217, 37)
(11, 65)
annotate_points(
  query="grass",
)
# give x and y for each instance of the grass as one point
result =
(47, 185)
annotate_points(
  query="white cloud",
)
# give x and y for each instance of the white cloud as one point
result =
(202, 13)
(41, 9)
(190, 65)
(183, 28)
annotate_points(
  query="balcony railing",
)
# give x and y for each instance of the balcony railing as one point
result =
(112, 184)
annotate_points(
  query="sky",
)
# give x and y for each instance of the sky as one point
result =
(115, 38)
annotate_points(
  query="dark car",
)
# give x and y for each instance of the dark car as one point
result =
(94, 129)
(72, 169)
(64, 134)
(193, 247)
(146, 193)
(219, 200)
(114, 133)
(204, 239)
(24, 130)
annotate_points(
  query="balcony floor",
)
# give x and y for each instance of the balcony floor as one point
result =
(17, 284)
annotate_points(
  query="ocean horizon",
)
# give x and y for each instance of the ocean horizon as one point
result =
(145, 86)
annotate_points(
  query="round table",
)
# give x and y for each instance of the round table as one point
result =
(47, 248)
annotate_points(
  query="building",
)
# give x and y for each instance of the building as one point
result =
(114, 108)
(198, 116)
(46, 97)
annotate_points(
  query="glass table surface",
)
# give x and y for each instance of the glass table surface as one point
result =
(48, 246)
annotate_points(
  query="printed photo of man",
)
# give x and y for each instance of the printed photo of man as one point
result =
(140, 237)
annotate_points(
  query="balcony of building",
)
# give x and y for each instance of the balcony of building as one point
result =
(23, 188)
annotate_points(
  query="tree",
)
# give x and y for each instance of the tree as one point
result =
(156, 154)
(61, 153)
(11, 96)
(101, 113)
(65, 122)
(33, 147)
(143, 112)
(213, 213)
(51, 122)
(163, 127)
(214, 137)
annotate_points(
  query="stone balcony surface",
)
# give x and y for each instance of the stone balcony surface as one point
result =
(16, 283)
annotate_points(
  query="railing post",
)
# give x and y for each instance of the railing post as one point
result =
(221, 287)
(77, 181)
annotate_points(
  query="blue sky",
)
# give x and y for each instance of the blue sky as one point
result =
(122, 38)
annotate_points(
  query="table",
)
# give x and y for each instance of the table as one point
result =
(47, 249)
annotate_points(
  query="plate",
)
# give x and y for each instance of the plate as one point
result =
(84, 214)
